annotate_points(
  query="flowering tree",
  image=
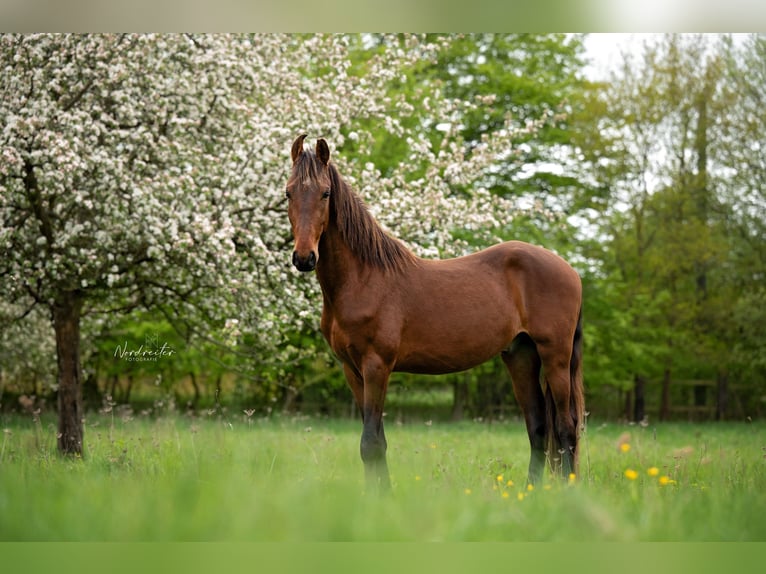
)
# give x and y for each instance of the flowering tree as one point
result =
(107, 145)
(147, 171)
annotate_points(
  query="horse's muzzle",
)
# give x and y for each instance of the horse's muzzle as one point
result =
(308, 263)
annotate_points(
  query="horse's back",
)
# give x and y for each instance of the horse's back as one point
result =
(514, 266)
(460, 312)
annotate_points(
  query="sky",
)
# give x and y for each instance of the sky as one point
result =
(605, 50)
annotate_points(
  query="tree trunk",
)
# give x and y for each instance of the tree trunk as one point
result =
(291, 395)
(460, 397)
(701, 192)
(195, 386)
(129, 388)
(700, 395)
(113, 388)
(66, 323)
(640, 402)
(665, 405)
(722, 402)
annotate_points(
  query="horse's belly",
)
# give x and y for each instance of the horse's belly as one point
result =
(447, 333)
(432, 365)
(450, 352)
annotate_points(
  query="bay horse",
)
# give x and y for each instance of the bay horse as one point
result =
(385, 310)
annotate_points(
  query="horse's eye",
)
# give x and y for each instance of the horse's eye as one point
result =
(326, 194)
(287, 195)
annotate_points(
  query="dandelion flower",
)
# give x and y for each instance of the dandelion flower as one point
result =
(623, 440)
(417, 477)
(499, 478)
(572, 477)
(520, 496)
(653, 471)
(509, 483)
(467, 491)
(530, 487)
(631, 474)
(505, 495)
(664, 481)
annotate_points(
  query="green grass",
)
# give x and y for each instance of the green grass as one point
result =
(301, 479)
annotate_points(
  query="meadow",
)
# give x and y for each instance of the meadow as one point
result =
(224, 477)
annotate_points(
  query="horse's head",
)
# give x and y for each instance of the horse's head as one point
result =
(308, 194)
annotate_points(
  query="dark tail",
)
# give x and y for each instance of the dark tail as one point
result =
(577, 390)
(576, 404)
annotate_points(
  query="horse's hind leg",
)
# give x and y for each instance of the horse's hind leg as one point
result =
(523, 363)
(557, 377)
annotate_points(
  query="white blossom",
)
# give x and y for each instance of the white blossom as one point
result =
(160, 161)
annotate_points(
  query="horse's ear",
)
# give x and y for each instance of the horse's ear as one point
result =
(298, 147)
(323, 151)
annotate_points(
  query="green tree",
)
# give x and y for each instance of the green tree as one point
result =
(742, 154)
(146, 172)
(530, 83)
(668, 270)
(527, 79)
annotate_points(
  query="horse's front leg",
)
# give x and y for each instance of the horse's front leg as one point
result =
(375, 373)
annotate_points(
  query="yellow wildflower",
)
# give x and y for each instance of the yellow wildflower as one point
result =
(623, 440)
(505, 494)
(530, 487)
(653, 471)
(631, 474)
(417, 477)
(499, 478)
(467, 491)
(509, 483)
(520, 496)
(572, 477)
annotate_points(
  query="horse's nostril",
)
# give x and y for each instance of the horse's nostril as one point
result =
(305, 264)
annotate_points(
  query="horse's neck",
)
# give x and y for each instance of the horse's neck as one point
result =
(337, 265)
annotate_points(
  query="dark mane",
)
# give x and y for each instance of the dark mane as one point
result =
(357, 227)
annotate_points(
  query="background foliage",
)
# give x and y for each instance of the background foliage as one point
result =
(145, 174)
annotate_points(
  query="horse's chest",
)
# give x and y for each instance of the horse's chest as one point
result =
(339, 341)
(334, 334)
(349, 336)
